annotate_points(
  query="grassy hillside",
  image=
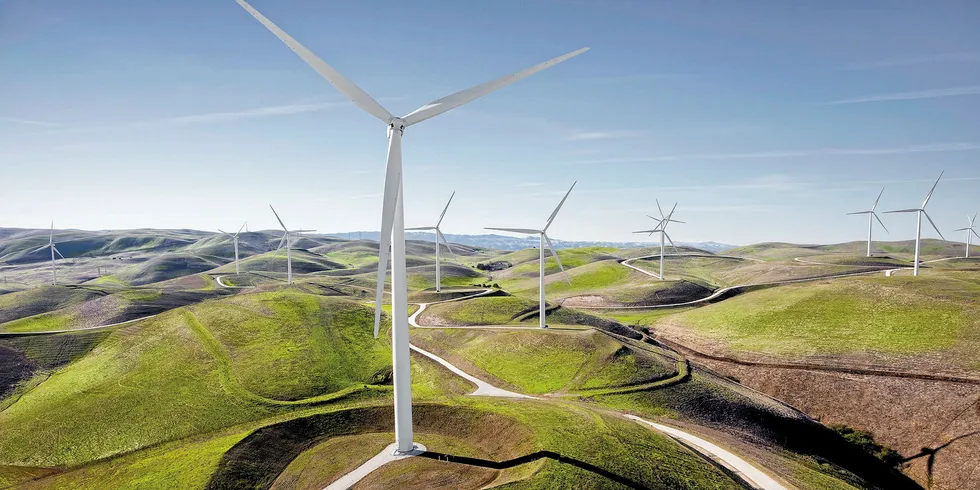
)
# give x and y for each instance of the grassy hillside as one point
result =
(934, 313)
(547, 361)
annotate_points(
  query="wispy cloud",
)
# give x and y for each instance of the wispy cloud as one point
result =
(915, 60)
(926, 148)
(212, 117)
(603, 135)
(27, 122)
(922, 94)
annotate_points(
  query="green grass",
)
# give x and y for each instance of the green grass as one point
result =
(40, 323)
(490, 310)
(898, 315)
(140, 295)
(640, 317)
(545, 361)
(291, 345)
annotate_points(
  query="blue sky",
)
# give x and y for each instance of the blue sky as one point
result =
(767, 121)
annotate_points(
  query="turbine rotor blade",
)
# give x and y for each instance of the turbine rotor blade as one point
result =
(560, 204)
(904, 211)
(877, 199)
(555, 254)
(282, 241)
(443, 238)
(277, 217)
(240, 229)
(526, 231)
(647, 231)
(934, 225)
(443, 214)
(393, 179)
(929, 196)
(880, 223)
(39, 249)
(359, 97)
(57, 251)
(453, 101)
(975, 232)
(860, 212)
(420, 228)
(671, 241)
(659, 209)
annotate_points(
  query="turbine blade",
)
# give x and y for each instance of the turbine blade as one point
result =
(658, 220)
(359, 97)
(560, 204)
(877, 199)
(443, 238)
(861, 212)
(929, 196)
(277, 217)
(418, 228)
(671, 241)
(880, 223)
(393, 179)
(660, 209)
(975, 232)
(526, 231)
(57, 251)
(904, 211)
(555, 254)
(962, 229)
(974, 218)
(240, 229)
(934, 225)
(677, 221)
(39, 249)
(282, 241)
(647, 231)
(445, 209)
(453, 101)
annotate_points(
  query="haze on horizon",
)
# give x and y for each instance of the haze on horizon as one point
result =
(766, 124)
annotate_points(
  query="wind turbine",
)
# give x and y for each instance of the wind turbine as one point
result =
(970, 231)
(542, 239)
(661, 228)
(235, 238)
(54, 250)
(393, 213)
(918, 222)
(288, 241)
(439, 236)
(872, 214)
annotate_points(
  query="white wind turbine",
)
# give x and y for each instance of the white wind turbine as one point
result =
(661, 228)
(919, 212)
(235, 238)
(287, 239)
(439, 236)
(970, 231)
(54, 250)
(393, 214)
(872, 214)
(542, 239)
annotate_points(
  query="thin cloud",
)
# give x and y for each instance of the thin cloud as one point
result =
(915, 60)
(214, 117)
(923, 94)
(603, 135)
(28, 122)
(926, 148)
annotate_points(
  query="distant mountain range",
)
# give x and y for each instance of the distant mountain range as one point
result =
(501, 242)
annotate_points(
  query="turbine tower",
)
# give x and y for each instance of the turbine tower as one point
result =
(542, 239)
(661, 228)
(872, 214)
(439, 236)
(54, 250)
(919, 212)
(286, 239)
(393, 213)
(970, 231)
(235, 238)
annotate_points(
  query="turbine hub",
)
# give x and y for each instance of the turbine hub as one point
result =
(396, 123)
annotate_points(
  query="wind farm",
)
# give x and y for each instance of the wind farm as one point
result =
(360, 340)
